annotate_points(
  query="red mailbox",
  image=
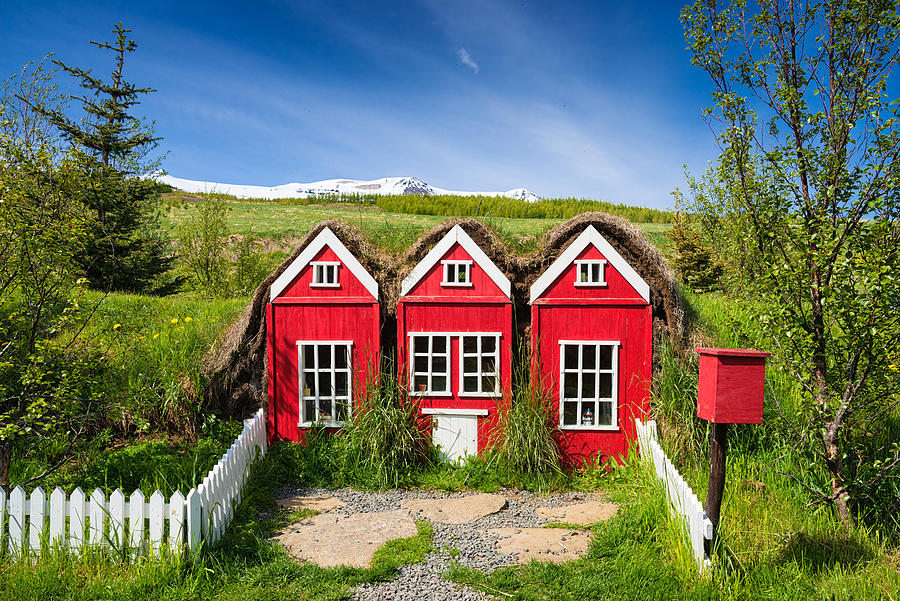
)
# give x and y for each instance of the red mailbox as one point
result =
(731, 385)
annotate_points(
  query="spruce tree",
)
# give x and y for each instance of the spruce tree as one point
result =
(123, 248)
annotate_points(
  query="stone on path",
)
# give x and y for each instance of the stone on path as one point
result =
(555, 545)
(583, 514)
(457, 510)
(330, 540)
(318, 503)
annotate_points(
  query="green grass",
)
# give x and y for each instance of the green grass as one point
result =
(391, 230)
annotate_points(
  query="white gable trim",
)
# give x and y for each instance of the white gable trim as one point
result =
(325, 238)
(590, 236)
(457, 234)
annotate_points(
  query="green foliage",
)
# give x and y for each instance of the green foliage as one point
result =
(695, 261)
(204, 254)
(804, 201)
(383, 444)
(122, 248)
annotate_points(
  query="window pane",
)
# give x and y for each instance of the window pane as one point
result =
(488, 344)
(470, 384)
(470, 365)
(324, 356)
(470, 344)
(439, 384)
(309, 410)
(588, 414)
(439, 365)
(341, 410)
(589, 385)
(487, 364)
(420, 383)
(309, 356)
(461, 274)
(595, 272)
(340, 384)
(450, 271)
(570, 413)
(420, 344)
(317, 275)
(582, 272)
(488, 383)
(324, 384)
(588, 356)
(570, 386)
(340, 357)
(605, 386)
(570, 356)
(420, 364)
(438, 344)
(604, 418)
(324, 412)
(309, 384)
(605, 357)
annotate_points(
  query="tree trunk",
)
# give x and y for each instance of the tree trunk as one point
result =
(5, 459)
(836, 471)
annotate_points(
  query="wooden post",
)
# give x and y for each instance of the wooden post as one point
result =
(718, 445)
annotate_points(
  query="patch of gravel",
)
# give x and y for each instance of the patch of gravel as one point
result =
(468, 544)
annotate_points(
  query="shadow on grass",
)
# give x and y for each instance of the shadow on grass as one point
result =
(819, 553)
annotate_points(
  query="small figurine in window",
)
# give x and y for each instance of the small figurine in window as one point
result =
(588, 418)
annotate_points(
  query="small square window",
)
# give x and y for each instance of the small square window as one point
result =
(588, 371)
(325, 274)
(457, 273)
(590, 273)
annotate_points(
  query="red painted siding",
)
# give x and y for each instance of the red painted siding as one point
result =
(483, 307)
(301, 312)
(617, 287)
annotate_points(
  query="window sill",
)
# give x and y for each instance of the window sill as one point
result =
(480, 395)
(590, 428)
(321, 425)
(591, 284)
(457, 285)
(338, 285)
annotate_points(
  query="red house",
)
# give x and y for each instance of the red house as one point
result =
(591, 330)
(454, 325)
(323, 328)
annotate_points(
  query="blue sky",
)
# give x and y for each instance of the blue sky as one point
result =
(585, 99)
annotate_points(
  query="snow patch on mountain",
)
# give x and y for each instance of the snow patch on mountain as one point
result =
(333, 187)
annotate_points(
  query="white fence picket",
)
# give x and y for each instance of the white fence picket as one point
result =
(77, 519)
(157, 520)
(193, 507)
(136, 515)
(2, 517)
(97, 517)
(176, 521)
(682, 500)
(37, 510)
(117, 518)
(57, 537)
(16, 520)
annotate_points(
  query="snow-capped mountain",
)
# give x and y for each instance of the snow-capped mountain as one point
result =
(337, 187)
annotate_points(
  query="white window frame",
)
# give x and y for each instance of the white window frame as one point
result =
(430, 355)
(454, 267)
(614, 370)
(479, 373)
(315, 370)
(585, 266)
(321, 271)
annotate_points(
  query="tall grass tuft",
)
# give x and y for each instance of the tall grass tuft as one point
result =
(383, 445)
(527, 451)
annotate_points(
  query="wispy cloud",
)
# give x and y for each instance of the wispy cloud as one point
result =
(466, 59)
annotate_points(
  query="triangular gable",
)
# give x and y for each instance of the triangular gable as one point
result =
(325, 238)
(456, 235)
(590, 236)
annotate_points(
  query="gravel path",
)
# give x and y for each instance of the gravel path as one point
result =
(467, 544)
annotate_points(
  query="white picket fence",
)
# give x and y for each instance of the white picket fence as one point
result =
(200, 518)
(682, 500)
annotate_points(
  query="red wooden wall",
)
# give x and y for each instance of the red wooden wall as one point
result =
(615, 312)
(349, 312)
(483, 307)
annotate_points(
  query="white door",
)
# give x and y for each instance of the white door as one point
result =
(455, 435)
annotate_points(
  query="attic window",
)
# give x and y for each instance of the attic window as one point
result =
(457, 273)
(325, 274)
(590, 273)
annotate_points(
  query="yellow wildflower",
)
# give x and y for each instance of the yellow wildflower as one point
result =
(188, 320)
(155, 336)
(117, 326)
(174, 320)
(893, 367)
